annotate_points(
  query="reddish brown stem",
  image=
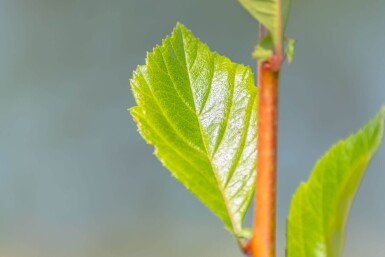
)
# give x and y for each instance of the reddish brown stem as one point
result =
(263, 240)
(246, 248)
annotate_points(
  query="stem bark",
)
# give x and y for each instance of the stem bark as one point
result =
(263, 240)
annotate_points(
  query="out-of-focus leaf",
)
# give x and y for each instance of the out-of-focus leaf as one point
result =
(320, 207)
(268, 13)
(290, 44)
(199, 110)
(264, 49)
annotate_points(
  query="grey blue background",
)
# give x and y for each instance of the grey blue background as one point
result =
(76, 179)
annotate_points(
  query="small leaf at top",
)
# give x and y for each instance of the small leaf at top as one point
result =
(320, 207)
(199, 110)
(290, 44)
(265, 49)
(268, 13)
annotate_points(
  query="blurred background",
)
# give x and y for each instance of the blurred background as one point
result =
(76, 179)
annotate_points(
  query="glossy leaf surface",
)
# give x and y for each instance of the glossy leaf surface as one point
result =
(199, 110)
(320, 207)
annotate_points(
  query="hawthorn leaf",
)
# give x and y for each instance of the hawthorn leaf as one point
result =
(320, 206)
(268, 13)
(199, 110)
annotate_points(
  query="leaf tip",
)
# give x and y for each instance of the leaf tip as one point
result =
(181, 28)
(179, 25)
(382, 111)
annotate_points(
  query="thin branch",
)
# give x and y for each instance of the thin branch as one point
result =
(263, 240)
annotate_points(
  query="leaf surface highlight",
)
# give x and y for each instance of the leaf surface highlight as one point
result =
(199, 110)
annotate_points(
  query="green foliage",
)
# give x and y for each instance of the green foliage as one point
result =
(264, 49)
(290, 43)
(199, 110)
(319, 208)
(272, 14)
(269, 13)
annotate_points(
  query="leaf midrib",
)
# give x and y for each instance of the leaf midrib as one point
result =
(204, 140)
(174, 129)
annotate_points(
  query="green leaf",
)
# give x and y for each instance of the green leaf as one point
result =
(320, 207)
(199, 110)
(264, 49)
(268, 13)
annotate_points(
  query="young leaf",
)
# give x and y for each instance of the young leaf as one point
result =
(319, 208)
(268, 13)
(264, 49)
(290, 43)
(199, 110)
